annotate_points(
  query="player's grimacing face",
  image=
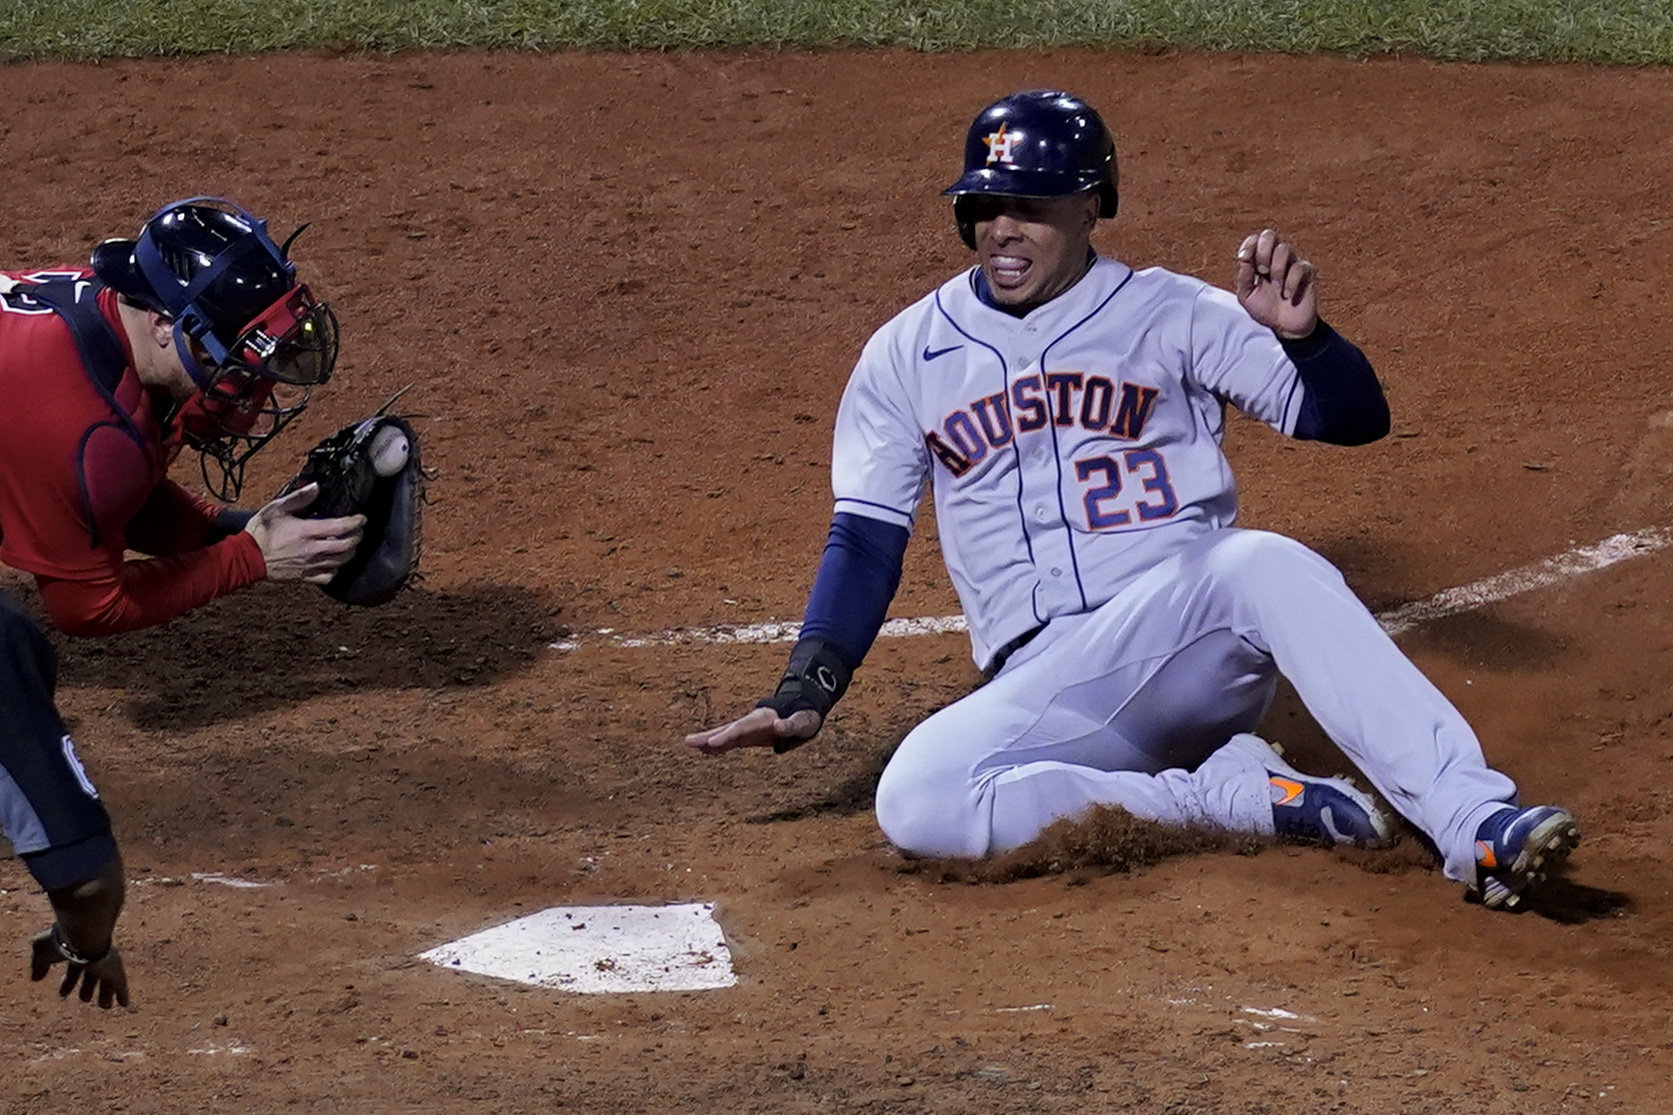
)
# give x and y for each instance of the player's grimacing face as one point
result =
(1032, 249)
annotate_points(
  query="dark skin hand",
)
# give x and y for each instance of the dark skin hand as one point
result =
(87, 915)
(106, 977)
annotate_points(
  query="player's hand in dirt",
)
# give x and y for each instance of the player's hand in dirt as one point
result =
(1276, 285)
(105, 977)
(761, 727)
(300, 549)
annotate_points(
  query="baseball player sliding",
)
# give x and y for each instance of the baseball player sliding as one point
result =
(1067, 413)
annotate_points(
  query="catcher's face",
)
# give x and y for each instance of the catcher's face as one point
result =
(286, 349)
(1032, 249)
(228, 421)
(158, 363)
(228, 408)
(260, 383)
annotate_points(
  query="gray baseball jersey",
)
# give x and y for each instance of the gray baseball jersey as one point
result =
(1077, 446)
(1074, 454)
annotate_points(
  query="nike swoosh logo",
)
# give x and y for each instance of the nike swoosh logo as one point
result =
(931, 354)
(1288, 788)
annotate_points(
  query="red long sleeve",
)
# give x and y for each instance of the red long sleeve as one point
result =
(139, 594)
(173, 521)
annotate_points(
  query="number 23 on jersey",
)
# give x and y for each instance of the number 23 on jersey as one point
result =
(1119, 487)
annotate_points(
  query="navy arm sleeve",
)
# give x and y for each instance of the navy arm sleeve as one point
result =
(1341, 402)
(228, 522)
(857, 578)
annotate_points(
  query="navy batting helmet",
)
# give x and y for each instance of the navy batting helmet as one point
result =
(253, 339)
(1039, 143)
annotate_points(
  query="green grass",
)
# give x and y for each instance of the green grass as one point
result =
(1619, 32)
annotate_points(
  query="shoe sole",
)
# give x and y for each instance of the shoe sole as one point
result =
(1546, 848)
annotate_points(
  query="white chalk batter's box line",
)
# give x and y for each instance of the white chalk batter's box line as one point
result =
(1547, 571)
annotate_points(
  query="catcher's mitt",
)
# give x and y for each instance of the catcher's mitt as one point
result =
(370, 468)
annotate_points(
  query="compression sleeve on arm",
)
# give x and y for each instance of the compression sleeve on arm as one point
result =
(858, 576)
(1341, 403)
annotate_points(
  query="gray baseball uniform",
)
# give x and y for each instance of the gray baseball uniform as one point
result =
(1075, 459)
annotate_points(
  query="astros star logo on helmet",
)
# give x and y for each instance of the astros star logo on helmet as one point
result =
(999, 146)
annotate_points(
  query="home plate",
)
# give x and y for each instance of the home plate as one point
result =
(594, 949)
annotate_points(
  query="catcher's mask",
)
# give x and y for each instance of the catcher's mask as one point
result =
(253, 339)
(1039, 143)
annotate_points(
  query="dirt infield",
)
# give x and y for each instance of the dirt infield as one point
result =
(629, 290)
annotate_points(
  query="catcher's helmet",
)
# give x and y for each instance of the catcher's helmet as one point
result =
(213, 269)
(1039, 143)
(252, 338)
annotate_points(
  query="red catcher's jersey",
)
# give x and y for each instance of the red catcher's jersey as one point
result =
(83, 481)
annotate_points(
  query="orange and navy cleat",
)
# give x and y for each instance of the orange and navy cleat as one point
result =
(1516, 849)
(1328, 811)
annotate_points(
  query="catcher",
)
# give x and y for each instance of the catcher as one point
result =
(196, 334)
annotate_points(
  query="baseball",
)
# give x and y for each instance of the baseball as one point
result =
(389, 451)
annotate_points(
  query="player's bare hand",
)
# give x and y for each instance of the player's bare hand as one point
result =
(298, 549)
(760, 727)
(105, 977)
(1277, 286)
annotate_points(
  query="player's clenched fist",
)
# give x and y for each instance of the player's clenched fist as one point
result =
(1276, 285)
